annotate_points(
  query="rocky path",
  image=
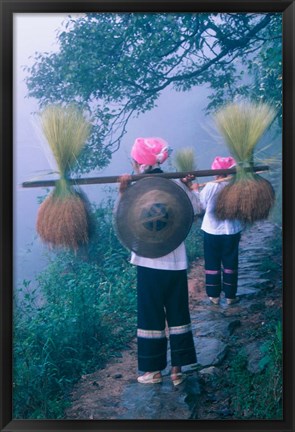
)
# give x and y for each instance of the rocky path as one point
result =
(113, 393)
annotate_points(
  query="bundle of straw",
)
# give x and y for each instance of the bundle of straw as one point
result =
(248, 197)
(185, 159)
(63, 218)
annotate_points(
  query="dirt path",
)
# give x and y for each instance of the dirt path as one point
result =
(113, 393)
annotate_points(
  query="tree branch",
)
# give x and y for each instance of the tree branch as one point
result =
(238, 45)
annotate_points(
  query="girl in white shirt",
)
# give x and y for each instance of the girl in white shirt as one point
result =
(221, 240)
(162, 291)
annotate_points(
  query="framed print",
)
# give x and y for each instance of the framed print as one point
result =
(147, 215)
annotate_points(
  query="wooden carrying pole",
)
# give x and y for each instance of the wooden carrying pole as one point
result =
(116, 179)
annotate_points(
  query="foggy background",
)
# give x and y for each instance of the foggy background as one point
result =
(179, 118)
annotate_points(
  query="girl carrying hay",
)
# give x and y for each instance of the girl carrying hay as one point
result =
(162, 290)
(246, 198)
(221, 240)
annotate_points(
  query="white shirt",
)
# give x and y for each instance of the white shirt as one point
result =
(177, 259)
(211, 224)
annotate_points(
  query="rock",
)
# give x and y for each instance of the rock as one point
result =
(254, 355)
(155, 402)
(246, 291)
(117, 376)
(210, 351)
(207, 327)
(211, 397)
(224, 412)
(255, 307)
(192, 386)
(212, 370)
(232, 326)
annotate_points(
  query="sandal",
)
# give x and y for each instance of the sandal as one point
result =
(214, 300)
(150, 378)
(177, 378)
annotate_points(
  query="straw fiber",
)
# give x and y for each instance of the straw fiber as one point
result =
(63, 222)
(249, 200)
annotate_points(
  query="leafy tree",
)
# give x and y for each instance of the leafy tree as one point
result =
(266, 67)
(116, 65)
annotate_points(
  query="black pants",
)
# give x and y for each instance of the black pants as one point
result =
(163, 296)
(221, 254)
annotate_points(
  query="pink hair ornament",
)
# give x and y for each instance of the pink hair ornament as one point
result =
(223, 162)
(150, 151)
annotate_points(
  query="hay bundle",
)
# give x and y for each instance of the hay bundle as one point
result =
(248, 197)
(63, 218)
(185, 159)
(248, 200)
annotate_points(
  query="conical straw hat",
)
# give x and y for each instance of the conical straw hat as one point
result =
(153, 217)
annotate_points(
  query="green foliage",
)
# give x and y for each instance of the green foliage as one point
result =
(194, 242)
(80, 314)
(259, 396)
(115, 66)
(259, 78)
(273, 262)
(266, 68)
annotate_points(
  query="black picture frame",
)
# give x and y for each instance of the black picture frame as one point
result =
(8, 8)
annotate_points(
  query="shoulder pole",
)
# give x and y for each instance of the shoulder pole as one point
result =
(116, 179)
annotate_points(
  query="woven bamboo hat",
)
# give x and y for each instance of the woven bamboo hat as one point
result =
(153, 217)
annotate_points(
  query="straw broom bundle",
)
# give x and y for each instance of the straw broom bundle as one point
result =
(63, 218)
(248, 197)
(185, 159)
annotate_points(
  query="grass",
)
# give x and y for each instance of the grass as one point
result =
(80, 314)
(259, 395)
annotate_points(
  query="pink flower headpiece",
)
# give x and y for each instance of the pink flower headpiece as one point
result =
(150, 151)
(223, 163)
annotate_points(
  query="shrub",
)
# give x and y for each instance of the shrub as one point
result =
(80, 314)
(194, 242)
(259, 396)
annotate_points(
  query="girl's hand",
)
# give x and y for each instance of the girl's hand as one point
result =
(188, 180)
(125, 181)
